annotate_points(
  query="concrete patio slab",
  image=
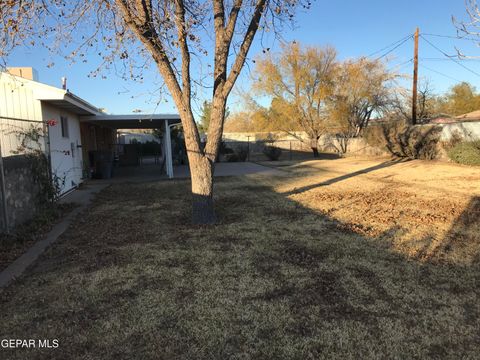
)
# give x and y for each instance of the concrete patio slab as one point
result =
(230, 169)
(154, 172)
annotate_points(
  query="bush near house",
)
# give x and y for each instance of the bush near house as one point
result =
(272, 152)
(467, 153)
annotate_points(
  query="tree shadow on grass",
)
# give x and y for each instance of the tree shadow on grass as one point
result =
(273, 279)
(462, 242)
(380, 166)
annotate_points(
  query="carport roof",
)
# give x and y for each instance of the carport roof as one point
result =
(135, 121)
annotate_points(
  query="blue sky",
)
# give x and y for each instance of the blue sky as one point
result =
(355, 28)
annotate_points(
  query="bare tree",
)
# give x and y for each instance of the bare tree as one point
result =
(427, 103)
(174, 34)
(471, 26)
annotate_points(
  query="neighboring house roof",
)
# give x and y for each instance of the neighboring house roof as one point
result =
(442, 120)
(472, 116)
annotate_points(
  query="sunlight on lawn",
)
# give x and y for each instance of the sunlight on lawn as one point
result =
(431, 214)
(278, 278)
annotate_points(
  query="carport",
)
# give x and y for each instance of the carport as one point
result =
(141, 121)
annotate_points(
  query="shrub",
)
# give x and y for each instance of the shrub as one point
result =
(405, 141)
(374, 136)
(242, 153)
(272, 152)
(467, 153)
(231, 157)
(223, 150)
(455, 138)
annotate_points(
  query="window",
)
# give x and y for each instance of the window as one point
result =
(64, 123)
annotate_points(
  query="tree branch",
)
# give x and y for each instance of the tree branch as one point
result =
(247, 42)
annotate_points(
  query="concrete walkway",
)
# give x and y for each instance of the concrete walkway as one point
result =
(154, 172)
(83, 198)
(230, 169)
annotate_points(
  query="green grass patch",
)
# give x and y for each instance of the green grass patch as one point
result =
(466, 153)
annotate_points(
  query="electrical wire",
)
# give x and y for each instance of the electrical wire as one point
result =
(444, 59)
(452, 37)
(440, 73)
(389, 46)
(396, 47)
(449, 57)
(400, 66)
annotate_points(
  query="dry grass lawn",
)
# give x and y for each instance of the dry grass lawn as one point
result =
(345, 258)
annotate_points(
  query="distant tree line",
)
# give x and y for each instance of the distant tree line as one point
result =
(313, 92)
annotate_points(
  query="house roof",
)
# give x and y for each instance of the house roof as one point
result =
(72, 103)
(471, 116)
(60, 98)
(136, 121)
(64, 99)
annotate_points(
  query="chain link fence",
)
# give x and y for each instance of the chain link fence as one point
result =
(286, 150)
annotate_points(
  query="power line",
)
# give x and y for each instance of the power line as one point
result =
(444, 59)
(449, 57)
(401, 65)
(440, 73)
(396, 47)
(389, 46)
(452, 37)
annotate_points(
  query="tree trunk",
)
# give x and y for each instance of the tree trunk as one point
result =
(314, 146)
(201, 172)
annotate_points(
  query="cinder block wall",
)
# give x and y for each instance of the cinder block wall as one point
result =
(22, 193)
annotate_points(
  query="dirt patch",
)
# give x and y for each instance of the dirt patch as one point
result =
(427, 211)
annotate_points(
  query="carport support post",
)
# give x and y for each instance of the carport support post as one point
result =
(168, 150)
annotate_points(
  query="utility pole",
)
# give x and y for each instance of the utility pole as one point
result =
(415, 78)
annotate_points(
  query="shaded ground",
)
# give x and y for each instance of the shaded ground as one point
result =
(281, 277)
(20, 239)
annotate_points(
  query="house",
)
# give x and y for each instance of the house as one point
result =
(27, 103)
(74, 131)
(466, 126)
(129, 137)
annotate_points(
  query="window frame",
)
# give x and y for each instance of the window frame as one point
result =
(64, 126)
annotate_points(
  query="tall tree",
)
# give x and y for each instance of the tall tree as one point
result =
(299, 80)
(206, 114)
(362, 88)
(461, 98)
(427, 103)
(167, 32)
